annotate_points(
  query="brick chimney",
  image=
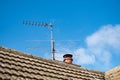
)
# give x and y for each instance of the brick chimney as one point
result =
(68, 58)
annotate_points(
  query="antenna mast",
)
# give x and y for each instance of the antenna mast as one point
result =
(51, 33)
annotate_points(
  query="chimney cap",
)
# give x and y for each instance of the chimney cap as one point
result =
(67, 55)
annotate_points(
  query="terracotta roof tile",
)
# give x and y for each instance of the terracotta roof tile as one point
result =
(21, 66)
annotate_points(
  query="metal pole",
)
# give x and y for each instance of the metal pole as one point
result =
(52, 44)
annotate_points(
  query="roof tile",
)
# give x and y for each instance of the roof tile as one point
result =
(20, 66)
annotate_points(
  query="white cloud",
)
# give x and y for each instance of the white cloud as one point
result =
(103, 41)
(81, 57)
(100, 46)
(107, 36)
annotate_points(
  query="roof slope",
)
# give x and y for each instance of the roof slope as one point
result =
(16, 65)
(113, 74)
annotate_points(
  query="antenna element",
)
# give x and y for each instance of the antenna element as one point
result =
(51, 33)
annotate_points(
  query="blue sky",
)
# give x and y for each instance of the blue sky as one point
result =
(95, 23)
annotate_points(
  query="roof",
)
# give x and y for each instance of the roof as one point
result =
(113, 74)
(15, 65)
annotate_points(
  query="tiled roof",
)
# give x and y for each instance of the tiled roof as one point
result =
(15, 65)
(113, 74)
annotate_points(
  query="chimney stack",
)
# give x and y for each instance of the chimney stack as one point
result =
(68, 58)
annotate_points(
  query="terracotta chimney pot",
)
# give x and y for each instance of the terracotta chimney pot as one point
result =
(68, 58)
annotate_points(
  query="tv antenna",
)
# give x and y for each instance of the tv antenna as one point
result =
(50, 26)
